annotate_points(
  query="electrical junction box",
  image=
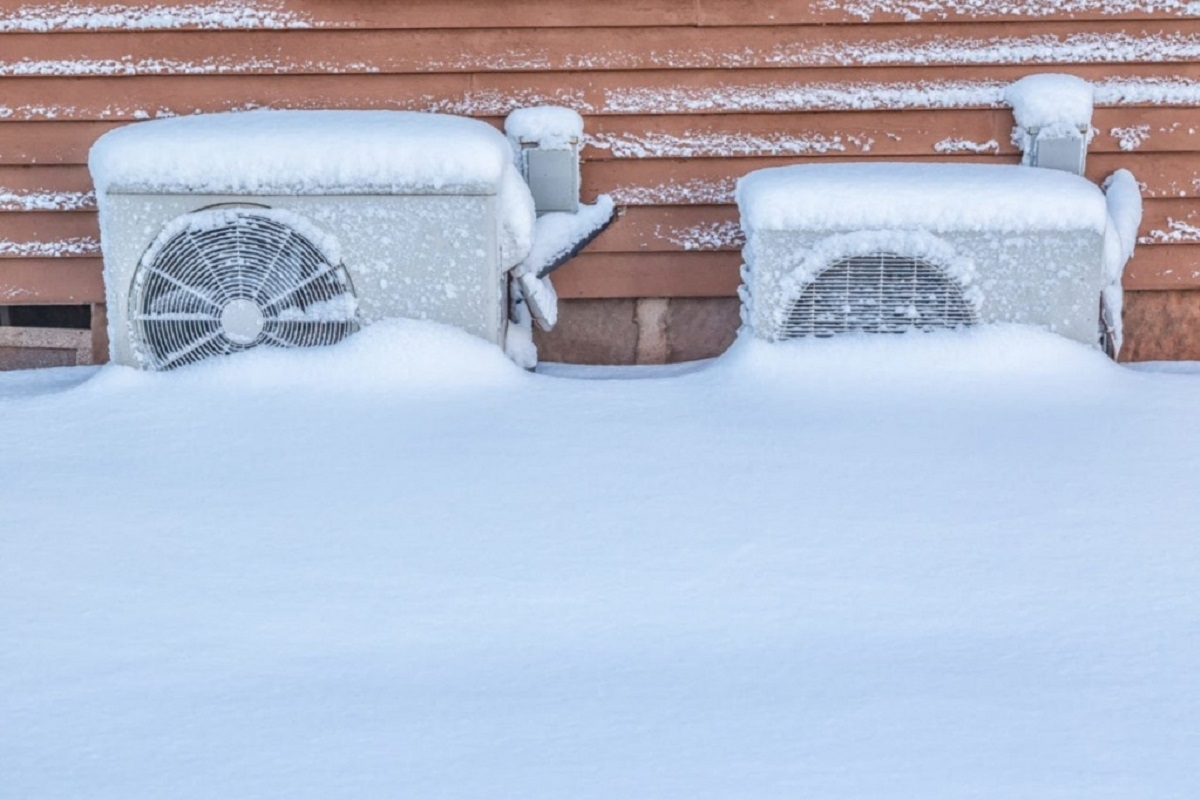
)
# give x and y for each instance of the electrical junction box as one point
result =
(553, 177)
(1059, 148)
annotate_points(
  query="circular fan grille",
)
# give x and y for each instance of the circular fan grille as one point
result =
(878, 293)
(231, 279)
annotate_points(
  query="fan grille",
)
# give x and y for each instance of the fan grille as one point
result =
(233, 279)
(878, 293)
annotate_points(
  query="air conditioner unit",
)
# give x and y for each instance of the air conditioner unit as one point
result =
(224, 232)
(888, 248)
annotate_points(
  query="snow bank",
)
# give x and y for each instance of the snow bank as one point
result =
(943, 566)
(936, 197)
(302, 152)
(394, 355)
(919, 362)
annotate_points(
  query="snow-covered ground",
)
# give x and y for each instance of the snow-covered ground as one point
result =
(934, 566)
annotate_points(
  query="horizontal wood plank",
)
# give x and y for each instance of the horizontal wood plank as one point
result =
(716, 227)
(716, 274)
(708, 181)
(617, 275)
(1168, 221)
(1158, 268)
(792, 12)
(35, 281)
(869, 134)
(590, 275)
(595, 93)
(310, 52)
(657, 182)
(31, 15)
(24, 16)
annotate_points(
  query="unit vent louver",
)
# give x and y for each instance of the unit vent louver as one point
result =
(877, 293)
(224, 280)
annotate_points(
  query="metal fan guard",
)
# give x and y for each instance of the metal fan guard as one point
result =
(878, 293)
(234, 279)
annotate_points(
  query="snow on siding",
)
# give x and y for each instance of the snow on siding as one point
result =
(942, 9)
(75, 246)
(656, 144)
(168, 66)
(1116, 91)
(1178, 232)
(1132, 137)
(222, 14)
(1036, 49)
(46, 201)
(695, 191)
(953, 145)
(878, 96)
(724, 235)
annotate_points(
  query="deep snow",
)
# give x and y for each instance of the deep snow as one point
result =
(937, 566)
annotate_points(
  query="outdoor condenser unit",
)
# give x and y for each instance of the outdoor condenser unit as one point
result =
(224, 232)
(887, 248)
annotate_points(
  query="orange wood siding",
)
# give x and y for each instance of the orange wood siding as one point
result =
(680, 98)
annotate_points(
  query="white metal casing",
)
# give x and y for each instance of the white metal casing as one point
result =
(1025, 245)
(427, 256)
(1052, 279)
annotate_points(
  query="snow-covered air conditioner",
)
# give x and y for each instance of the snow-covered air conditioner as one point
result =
(292, 228)
(889, 248)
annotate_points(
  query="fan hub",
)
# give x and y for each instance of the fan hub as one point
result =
(242, 321)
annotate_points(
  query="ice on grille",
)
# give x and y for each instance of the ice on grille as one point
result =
(220, 281)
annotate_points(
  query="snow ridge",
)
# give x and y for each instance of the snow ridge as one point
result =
(46, 201)
(1115, 91)
(656, 144)
(222, 14)
(942, 9)
(74, 246)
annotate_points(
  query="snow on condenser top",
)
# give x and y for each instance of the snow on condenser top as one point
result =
(304, 152)
(926, 196)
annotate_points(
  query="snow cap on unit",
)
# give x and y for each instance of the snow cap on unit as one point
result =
(1042, 101)
(935, 197)
(552, 127)
(303, 152)
(319, 152)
